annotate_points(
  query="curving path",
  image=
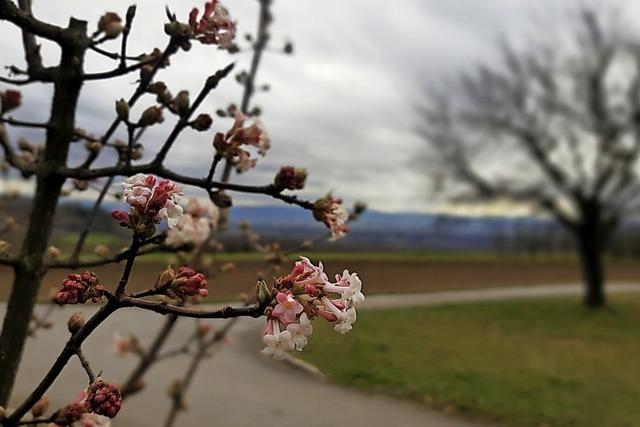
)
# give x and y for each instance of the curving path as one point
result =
(240, 387)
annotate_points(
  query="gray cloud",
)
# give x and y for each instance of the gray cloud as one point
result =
(341, 106)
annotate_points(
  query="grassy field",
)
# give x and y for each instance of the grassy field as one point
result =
(380, 272)
(531, 363)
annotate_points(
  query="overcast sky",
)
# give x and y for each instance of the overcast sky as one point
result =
(341, 106)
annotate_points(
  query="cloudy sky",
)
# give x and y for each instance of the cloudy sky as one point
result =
(342, 106)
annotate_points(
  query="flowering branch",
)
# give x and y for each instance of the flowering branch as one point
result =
(289, 305)
(170, 49)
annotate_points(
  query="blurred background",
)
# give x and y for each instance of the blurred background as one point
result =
(495, 145)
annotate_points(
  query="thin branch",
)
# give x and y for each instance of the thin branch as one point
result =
(169, 50)
(149, 358)
(17, 82)
(67, 352)
(92, 216)
(131, 258)
(262, 38)
(10, 155)
(9, 261)
(20, 123)
(70, 264)
(112, 55)
(211, 83)
(26, 22)
(164, 308)
(31, 47)
(85, 365)
(204, 349)
(117, 72)
(161, 171)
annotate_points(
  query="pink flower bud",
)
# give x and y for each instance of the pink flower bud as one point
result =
(122, 109)
(203, 329)
(76, 321)
(189, 283)
(180, 104)
(202, 123)
(330, 211)
(110, 24)
(215, 26)
(70, 413)
(53, 252)
(157, 88)
(122, 217)
(151, 116)
(290, 178)
(41, 407)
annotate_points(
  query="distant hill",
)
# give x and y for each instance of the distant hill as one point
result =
(374, 231)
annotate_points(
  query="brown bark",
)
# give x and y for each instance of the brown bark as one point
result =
(29, 271)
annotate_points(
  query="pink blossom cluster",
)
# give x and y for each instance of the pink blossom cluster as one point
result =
(230, 145)
(92, 408)
(303, 295)
(195, 225)
(151, 200)
(79, 288)
(330, 211)
(214, 27)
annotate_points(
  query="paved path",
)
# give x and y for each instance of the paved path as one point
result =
(240, 387)
(494, 294)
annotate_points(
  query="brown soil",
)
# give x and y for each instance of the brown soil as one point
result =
(378, 277)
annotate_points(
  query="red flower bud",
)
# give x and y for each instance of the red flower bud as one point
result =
(70, 413)
(79, 288)
(11, 99)
(104, 398)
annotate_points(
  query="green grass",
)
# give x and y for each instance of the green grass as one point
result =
(69, 240)
(522, 363)
(403, 256)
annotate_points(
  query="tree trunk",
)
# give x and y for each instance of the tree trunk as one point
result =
(30, 270)
(590, 242)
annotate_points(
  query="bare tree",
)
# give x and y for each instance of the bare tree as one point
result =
(555, 125)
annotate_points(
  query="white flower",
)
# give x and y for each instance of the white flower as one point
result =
(301, 331)
(172, 212)
(349, 286)
(278, 343)
(92, 420)
(346, 322)
(195, 225)
(346, 317)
